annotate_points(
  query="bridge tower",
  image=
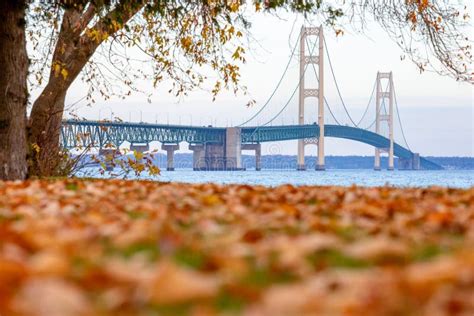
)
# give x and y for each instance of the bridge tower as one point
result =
(305, 61)
(387, 118)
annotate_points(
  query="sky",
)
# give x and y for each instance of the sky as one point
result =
(437, 112)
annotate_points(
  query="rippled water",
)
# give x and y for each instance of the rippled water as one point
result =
(449, 178)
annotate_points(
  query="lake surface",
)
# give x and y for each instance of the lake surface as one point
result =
(422, 178)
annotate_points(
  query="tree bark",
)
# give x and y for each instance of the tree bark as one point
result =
(73, 51)
(47, 111)
(13, 90)
(45, 129)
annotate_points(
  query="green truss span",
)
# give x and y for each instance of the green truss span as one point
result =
(76, 133)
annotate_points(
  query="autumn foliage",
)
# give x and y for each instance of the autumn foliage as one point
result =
(70, 247)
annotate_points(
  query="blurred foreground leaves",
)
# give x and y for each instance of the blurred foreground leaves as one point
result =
(110, 247)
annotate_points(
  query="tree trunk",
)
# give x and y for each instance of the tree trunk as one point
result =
(73, 51)
(13, 90)
(45, 128)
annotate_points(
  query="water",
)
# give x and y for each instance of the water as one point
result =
(423, 178)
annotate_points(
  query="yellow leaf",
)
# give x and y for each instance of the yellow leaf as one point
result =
(186, 43)
(153, 170)
(57, 69)
(116, 26)
(236, 54)
(234, 6)
(36, 147)
(138, 155)
(64, 73)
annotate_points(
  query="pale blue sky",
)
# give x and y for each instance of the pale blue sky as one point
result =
(437, 111)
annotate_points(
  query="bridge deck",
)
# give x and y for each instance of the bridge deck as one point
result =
(84, 133)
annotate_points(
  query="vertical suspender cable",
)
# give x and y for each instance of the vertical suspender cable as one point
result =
(289, 100)
(277, 86)
(399, 119)
(368, 104)
(337, 85)
(380, 108)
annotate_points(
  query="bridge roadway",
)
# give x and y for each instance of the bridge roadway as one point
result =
(218, 143)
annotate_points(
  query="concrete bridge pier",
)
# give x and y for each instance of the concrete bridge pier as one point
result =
(412, 163)
(320, 163)
(258, 158)
(300, 165)
(416, 161)
(170, 149)
(215, 158)
(199, 161)
(233, 148)
(141, 148)
(208, 157)
(391, 163)
(377, 160)
(258, 154)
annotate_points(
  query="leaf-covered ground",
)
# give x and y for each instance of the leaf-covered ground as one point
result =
(70, 247)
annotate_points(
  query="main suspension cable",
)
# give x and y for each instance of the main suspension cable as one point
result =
(337, 85)
(399, 119)
(277, 86)
(368, 104)
(330, 111)
(325, 100)
(291, 97)
(380, 108)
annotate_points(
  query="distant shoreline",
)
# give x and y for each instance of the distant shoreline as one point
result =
(332, 162)
(286, 162)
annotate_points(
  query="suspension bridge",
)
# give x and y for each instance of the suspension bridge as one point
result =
(219, 148)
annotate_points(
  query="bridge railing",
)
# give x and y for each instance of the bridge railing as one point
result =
(99, 134)
(82, 133)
